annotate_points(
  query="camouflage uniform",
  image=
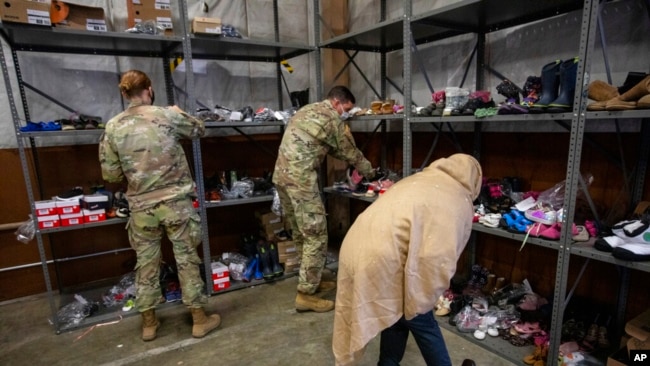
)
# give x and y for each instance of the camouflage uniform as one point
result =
(313, 132)
(141, 145)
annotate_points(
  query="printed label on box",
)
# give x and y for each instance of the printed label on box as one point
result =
(38, 17)
(96, 25)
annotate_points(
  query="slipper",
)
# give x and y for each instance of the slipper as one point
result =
(479, 334)
(537, 228)
(31, 127)
(552, 233)
(50, 126)
(608, 243)
(547, 217)
(632, 252)
(527, 328)
(582, 234)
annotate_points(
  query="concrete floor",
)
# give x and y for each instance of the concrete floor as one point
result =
(259, 327)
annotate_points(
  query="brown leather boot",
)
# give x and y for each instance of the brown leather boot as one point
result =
(149, 325)
(326, 286)
(203, 324)
(306, 302)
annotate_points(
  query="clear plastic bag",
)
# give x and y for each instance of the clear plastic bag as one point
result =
(120, 293)
(555, 195)
(276, 207)
(25, 232)
(243, 188)
(456, 97)
(76, 311)
(236, 264)
(467, 319)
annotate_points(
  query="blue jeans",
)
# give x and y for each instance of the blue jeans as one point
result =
(427, 335)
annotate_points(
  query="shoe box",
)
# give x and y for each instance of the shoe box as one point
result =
(220, 276)
(269, 231)
(638, 342)
(93, 215)
(144, 10)
(68, 207)
(95, 201)
(206, 25)
(26, 11)
(72, 219)
(47, 214)
(286, 251)
(81, 17)
(267, 217)
(292, 264)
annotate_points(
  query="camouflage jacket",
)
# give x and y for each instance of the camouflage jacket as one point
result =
(313, 132)
(142, 145)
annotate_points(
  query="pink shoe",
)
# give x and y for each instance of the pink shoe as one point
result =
(552, 233)
(591, 228)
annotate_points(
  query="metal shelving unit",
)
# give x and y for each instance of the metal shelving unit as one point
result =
(481, 17)
(26, 38)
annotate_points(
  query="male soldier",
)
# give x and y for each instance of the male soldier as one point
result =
(313, 132)
(141, 145)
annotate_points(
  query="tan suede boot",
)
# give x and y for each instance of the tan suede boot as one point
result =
(644, 102)
(149, 325)
(600, 91)
(628, 100)
(306, 302)
(203, 324)
(326, 286)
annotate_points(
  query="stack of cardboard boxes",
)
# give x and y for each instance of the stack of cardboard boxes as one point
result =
(636, 349)
(274, 229)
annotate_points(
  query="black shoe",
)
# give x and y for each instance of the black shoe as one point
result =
(75, 193)
(468, 362)
(275, 260)
(265, 259)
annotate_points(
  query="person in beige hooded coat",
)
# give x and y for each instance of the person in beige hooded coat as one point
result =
(398, 257)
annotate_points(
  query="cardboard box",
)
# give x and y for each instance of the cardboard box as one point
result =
(68, 207)
(266, 218)
(48, 222)
(94, 202)
(94, 215)
(286, 247)
(219, 270)
(45, 208)
(221, 284)
(36, 12)
(143, 10)
(291, 267)
(272, 229)
(290, 258)
(618, 358)
(206, 25)
(85, 18)
(72, 219)
(639, 327)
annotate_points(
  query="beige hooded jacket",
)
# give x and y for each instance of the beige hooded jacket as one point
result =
(401, 252)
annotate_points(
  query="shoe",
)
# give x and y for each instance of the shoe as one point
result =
(325, 286)
(128, 305)
(149, 325)
(265, 259)
(276, 268)
(313, 303)
(203, 324)
(582, 234)
(75, 193)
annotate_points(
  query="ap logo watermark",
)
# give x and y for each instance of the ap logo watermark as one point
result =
(640, 357)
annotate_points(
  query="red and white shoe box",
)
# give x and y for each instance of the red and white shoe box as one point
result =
(45, 208)
(72, 219)
(48, 222)
(93, 215)
(221, 284)
(68, 207)
(220, 276)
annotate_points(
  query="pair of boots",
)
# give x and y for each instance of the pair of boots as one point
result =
(202, 323)
(607, 96)
(558, 81)
(268, 259)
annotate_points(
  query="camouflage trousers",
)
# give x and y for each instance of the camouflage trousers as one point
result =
(306, 214)
(179, 220)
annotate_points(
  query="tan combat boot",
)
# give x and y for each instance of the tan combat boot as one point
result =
(149, 325)
(203, 324)
(326, 286)
(306, 302)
